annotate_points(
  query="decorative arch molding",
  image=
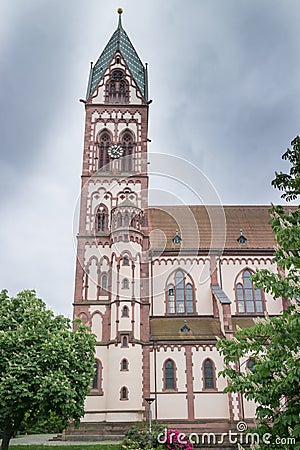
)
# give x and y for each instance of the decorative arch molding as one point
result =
(254, 260)
(84, 317)
(205, 347)
(90, 261)
(97, 311)
(179, 261)
(172, 347)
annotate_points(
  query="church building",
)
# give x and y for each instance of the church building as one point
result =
(157, 306)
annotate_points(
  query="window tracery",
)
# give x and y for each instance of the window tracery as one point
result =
(102, 219)
(118, 88)
(180, 294)
(249, 298)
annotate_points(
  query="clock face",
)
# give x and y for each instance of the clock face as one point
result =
(115, 151)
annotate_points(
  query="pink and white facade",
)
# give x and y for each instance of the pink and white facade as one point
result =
(157, 312)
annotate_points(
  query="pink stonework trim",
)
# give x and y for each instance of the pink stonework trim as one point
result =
(189, 382)
(213, 270)
(146, 373)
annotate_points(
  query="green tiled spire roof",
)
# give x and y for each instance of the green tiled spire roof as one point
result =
(119, 42)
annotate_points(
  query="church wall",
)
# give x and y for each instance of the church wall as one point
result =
(211, 406)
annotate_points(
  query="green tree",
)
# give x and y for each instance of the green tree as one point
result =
(45, 366)
(273, 343)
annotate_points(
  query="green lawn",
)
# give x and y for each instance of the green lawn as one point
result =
(67, 447)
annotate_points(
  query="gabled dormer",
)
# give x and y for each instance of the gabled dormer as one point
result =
(118, 77)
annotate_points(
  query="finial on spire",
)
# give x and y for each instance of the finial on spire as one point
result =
(120, 11)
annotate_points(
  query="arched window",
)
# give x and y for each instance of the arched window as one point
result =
(125, 311)
(102, 219)
(127, 144)
(125, 260)
(118, 88)
(104, 281)
(180, 294)
(209, 374)
(249, 298)
(124, 393)
(97, 379)
(125, 283)
(104, 143)
(125, 341)
(124, 365)
(169, 374)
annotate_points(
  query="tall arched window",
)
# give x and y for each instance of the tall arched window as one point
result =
(127, 144)
(250, 299)
(104, 142)
(102, 219)
(125, 341)
(118, 88)
(180, 294)
(104, 281)
(209, 374)
(97, 379)
(169, 375)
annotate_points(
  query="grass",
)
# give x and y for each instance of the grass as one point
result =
(67, 447)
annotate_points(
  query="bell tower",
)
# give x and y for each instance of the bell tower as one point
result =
(112, 270)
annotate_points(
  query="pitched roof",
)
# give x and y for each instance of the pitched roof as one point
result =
(169, 328)
(242, 322)
(209, 227)
(119, 41)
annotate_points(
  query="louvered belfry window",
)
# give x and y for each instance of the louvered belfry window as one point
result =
(118, 90)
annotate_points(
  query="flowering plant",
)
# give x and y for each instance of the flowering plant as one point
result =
(176, 440)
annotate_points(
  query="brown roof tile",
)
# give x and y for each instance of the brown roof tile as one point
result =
(169, 328)
(207, 227)
(242, 322)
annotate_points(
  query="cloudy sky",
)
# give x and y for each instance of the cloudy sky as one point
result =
(225, 83)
